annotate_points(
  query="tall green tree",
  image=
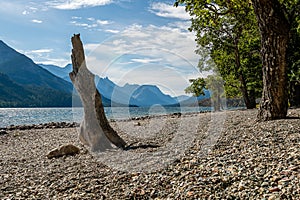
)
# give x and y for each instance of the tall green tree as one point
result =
(229, 31)
(275, 19)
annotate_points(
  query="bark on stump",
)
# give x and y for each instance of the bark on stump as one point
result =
(95, 130)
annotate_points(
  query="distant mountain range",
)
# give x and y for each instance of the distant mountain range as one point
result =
(62, 72)
(131, 94)
(24, 83)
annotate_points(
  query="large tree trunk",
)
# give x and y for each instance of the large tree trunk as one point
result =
(274, 30)
(95, 130)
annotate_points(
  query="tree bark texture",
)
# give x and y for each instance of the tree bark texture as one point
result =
(274, 30)
(95, 130)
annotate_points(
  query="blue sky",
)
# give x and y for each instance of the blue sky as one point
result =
(130, 41)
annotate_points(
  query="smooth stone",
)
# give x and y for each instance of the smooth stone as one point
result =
(65, 150)
(264, 184)
(274, 189)
(3, 132)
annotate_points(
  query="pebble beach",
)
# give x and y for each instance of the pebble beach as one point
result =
(245, 160)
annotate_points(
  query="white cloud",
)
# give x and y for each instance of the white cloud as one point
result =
(103, 22)
(169, 11)
(163, 42)
(41, 51)
(37, 21)
(20, 8)
(145, 60)
(85, 25)
(182, 25)
(112, 31)
(33, 9)
(90, 19)
(77, 4)
(76, 17)
(162, 55)
(53, 61)
(37, 53)
(90, 23)
(45, 56)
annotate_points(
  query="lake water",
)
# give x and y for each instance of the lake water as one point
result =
(19, 116)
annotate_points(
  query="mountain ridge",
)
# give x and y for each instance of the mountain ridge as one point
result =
(132, 94)
(25, 84)
(24, 71)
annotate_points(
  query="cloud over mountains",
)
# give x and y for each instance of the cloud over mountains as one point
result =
(77, 4)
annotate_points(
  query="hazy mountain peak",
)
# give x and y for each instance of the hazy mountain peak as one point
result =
(68, 66)
(131, 94)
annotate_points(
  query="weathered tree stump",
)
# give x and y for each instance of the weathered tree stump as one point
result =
(95, 130)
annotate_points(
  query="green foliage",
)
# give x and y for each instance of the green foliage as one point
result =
(213, 83)
(294, 52)
(197, 87)
(228, 39)
(291, 9)
(228, 32)
(294, 65)
(213, 21)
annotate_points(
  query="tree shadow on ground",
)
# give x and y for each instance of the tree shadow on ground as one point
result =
(140, 146)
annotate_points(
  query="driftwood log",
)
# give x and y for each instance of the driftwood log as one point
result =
(95, 130)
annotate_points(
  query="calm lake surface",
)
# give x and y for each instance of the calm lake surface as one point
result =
(19, 116)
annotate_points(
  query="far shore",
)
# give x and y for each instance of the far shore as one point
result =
(65, 124)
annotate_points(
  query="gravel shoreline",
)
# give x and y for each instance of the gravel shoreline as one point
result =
(247, 160)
